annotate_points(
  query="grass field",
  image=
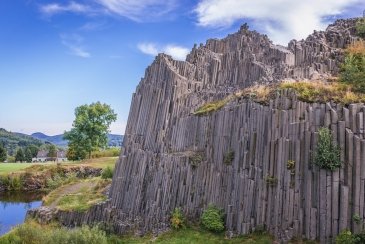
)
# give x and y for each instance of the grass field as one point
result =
(77, 196)
(194, 235)
(8, 168)
(31, 232)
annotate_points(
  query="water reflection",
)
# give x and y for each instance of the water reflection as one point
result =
(14, 206)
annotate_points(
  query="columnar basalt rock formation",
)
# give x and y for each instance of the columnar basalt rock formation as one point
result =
(155, 172)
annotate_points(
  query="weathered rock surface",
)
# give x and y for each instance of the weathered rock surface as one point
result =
(154, 174)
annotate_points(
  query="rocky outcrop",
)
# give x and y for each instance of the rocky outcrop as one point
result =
(155, 172)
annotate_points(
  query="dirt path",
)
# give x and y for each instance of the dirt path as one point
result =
(69, 190)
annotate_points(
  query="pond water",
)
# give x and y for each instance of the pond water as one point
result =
(14, 206)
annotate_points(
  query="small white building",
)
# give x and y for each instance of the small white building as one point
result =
(42, 156)
(61, 156)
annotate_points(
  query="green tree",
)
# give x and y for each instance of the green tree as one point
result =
(90, 129)
(52, 151)
(34, 150)
(28, 155)
(19, 156)
(3, 154)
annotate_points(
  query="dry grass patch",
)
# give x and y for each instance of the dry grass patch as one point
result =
(356, 48)
(259, 93)
(323, 92)
(212, 106)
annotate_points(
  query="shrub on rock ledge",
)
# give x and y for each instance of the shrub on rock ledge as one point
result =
(328, 154)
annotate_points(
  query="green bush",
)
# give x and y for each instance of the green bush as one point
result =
(328, 154)
(34, 234)
(12, 182)
(177, 219)
(359, 238)
(353, 69)
(356, 218)
(59, 179)
(109, 152)
(345, 237)
(360, 27)
(213, 219)
(107, 173)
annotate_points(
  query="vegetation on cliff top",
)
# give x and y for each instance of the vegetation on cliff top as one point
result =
(353, 68)
(322, 92)
(307, 91)
(348, 88)
(212, 106)
(360, 27)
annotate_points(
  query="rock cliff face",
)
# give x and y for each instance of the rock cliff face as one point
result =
(156, 172)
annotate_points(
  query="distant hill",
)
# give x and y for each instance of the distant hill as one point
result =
(57, 139)
(113, 140)
(13, 140)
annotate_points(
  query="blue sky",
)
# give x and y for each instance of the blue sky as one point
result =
(57, 55)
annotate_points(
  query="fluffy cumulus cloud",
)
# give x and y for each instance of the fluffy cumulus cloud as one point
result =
(141, 10)
(177, 52)
(282, 20)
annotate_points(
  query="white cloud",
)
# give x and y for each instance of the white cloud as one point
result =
(93, 26)
(177, 52)
(56, 8)
(282, 20)
(74, 43)
(148, 48)
(137, 10)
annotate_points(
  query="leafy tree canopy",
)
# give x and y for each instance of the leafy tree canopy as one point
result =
(90, 129)
(3, 154)
(19, 156)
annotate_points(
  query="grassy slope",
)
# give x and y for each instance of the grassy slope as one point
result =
(77, 196)
(8, 168)
(38, 234)
(195, 235)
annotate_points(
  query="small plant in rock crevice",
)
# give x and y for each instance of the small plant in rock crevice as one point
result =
(196, 159)
(177, 219)
(271, 180)
(327, 155)
(356, 218)
(228, 157)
